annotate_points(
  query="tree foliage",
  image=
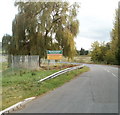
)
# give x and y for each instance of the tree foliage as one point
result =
(41, 26)
(5, 43)
(115, 43)
(98, 51)
(110, 52)
(45, 25)
(82, 52)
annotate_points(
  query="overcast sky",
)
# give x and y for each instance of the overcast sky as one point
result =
(95, 16)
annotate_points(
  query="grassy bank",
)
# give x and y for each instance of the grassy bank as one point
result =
(20, 86)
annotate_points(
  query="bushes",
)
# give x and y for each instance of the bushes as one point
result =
(103, 53)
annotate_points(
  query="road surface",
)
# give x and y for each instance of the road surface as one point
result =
(95, 91)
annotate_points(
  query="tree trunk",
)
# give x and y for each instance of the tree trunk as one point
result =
(9, 60)
(39, 61)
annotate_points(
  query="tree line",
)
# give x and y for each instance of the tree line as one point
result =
(41, 26)
(82, 51)
(109, 53)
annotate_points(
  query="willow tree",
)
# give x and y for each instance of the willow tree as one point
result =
(41, 26)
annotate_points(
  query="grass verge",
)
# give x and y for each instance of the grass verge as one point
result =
(3, 66)
(18, 87)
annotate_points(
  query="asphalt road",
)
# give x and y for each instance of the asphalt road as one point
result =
(95, 91)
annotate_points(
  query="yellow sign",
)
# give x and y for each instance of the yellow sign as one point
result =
(54, 56)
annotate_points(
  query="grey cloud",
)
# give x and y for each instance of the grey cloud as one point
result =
(95, 28)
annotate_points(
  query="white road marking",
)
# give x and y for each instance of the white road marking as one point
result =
(111, 72)
(114, 74)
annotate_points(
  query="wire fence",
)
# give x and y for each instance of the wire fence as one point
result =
(19, 64)
(29, 62)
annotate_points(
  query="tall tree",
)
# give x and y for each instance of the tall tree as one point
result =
(115, 42)
(41, 26)
(7, 47)
(6, 41)
(99, 51)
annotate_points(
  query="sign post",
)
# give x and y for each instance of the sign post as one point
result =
(48, 64)
(54, 55)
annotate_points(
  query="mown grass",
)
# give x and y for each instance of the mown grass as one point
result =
(20, 86)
